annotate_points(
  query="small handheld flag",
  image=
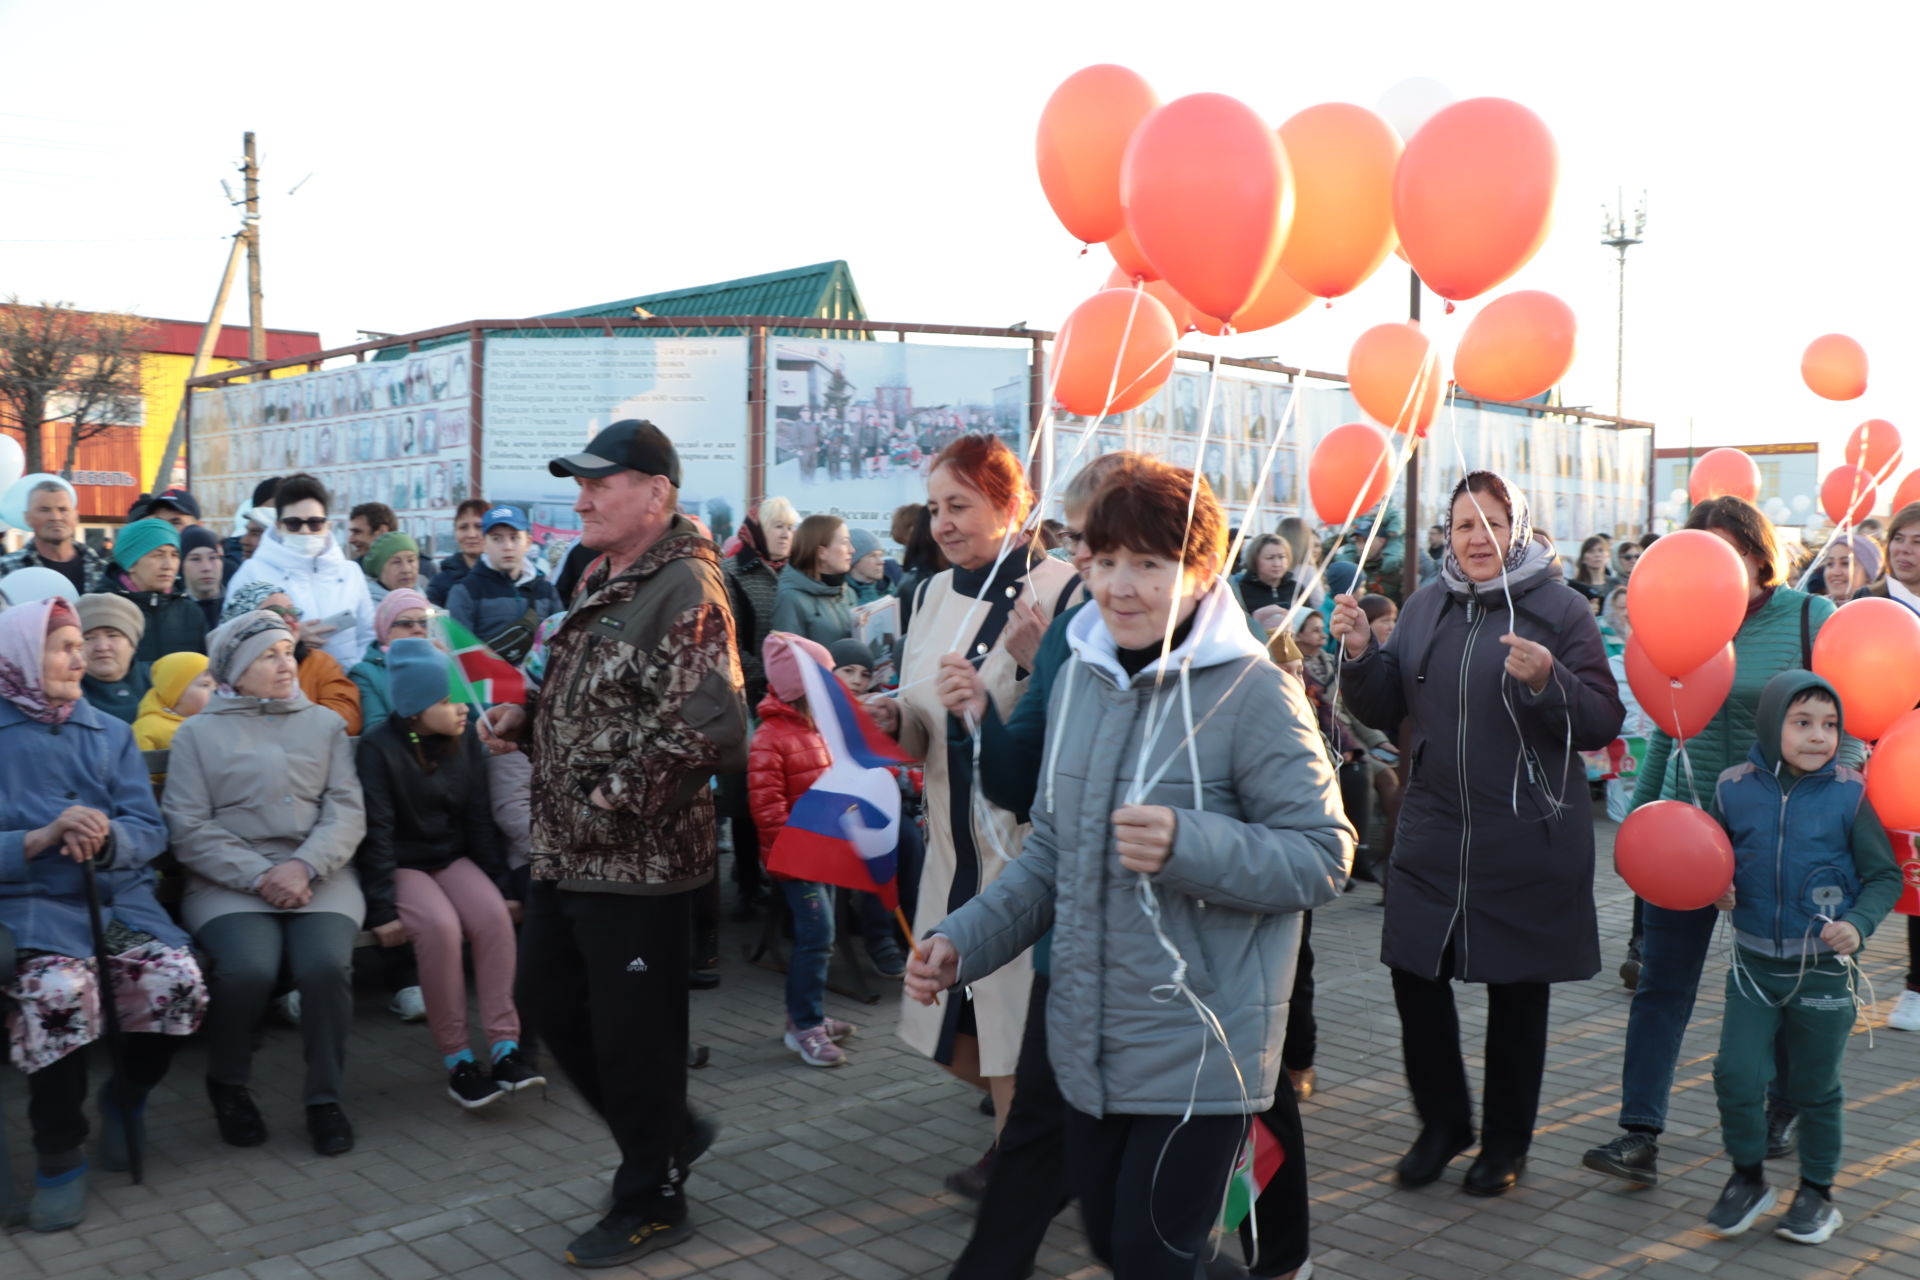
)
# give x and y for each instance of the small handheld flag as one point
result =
(492, 678)
(1260, 1159)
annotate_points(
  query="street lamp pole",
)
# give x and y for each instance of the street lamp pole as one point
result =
(1614, 236)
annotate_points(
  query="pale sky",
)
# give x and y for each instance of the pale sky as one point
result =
(491, 160)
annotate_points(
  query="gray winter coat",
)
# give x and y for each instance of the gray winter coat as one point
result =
(1265, 840)
(808, 607)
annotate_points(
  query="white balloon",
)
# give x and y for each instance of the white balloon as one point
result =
(1411, 103)
(1679, 497)
(1801, 502)
(13, 461)
(13, 502)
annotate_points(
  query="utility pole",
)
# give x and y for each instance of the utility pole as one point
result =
(208, 337)
(1614, 236)
(256, 320)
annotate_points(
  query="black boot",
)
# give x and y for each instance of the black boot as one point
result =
(1493, 1174)
(1430, 1154)
(239, 1120)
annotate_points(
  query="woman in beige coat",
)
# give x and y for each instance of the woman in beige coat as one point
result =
(264, 809)
(993, 609)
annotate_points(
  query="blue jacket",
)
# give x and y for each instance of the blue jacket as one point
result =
(452, 570)
(90, 760)
(492, 606)
(1803, 846)
(369, 676)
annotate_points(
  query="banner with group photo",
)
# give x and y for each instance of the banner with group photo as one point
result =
(853, 426)
(549, 395)
(392, 431)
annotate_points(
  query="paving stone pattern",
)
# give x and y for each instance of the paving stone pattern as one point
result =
(821, 1174)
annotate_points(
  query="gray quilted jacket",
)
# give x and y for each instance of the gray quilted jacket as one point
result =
(1264, 840)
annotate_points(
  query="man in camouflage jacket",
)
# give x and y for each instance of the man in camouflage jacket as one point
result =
(640, 705)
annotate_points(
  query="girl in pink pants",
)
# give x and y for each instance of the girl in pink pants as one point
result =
(433, 866)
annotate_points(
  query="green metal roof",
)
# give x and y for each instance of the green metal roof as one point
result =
(822, 291)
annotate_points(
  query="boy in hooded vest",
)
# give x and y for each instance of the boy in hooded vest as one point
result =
(1813, 875)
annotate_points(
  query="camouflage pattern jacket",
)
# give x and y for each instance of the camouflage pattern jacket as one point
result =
(641, 699)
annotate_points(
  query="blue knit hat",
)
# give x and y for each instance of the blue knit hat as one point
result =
(140, 538)
(418, 675)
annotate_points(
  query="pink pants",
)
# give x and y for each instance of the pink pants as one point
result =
(437, 908)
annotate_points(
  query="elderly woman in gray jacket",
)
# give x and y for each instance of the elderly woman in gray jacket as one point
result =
(1183, 822)
(264, 808)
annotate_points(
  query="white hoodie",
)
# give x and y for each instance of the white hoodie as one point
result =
(320, 586)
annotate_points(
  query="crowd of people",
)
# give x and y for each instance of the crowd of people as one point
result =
(1137, 768)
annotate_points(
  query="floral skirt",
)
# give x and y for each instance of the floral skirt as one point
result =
(157, 988)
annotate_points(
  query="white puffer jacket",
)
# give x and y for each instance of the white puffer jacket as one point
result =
(320, 586)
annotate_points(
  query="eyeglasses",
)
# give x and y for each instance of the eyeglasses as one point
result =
(309, 524)
(408, 624)
(287, 611)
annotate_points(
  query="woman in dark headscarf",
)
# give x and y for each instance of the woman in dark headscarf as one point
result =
(1500, 667)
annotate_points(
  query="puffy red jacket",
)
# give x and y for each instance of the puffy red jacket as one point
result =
(788, 753)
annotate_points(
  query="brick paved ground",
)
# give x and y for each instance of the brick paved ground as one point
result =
(837, 1173)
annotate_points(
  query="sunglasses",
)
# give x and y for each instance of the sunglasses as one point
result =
(308, 524)
(286, 611)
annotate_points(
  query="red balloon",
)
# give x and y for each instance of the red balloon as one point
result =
(1848, 495)
(1673, 854)
(1835, 366)
(1687, 609)
(1209, 199)
(1084, 130)
(1113, 353)
(1724, 473)
(1893, 773)
(1874, 447)
(1184, 316)
(1909, 491)
(1866, 651)
(1520, 345)
(1348, 472)
(1682, 707)
(1394, 373)
(1279, 299)
(1128, 258)
(1473, 195)
(1343, 159)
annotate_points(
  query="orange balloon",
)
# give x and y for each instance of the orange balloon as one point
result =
(1689, 607)
(1343, 159)
(1874, 447)
(1279, 300)
(1473, 195)
(1865, 651)
(1209, 199)
(1673, 854)
(1084, 129)
(1113, 353)
(1184, 316)
(1348, 472)
(1835, 366)
(1893, 772)
(1909, 491)
(1395, 375)
(1518, 346)
(1682, 707)
(1724, 473)
(1128, 258)
(1848, 495)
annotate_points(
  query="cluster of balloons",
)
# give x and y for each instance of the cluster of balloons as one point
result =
(1242, 226)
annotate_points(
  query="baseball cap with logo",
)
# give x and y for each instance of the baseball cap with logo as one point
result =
(180, 500)
(507, 516)
(632, 444)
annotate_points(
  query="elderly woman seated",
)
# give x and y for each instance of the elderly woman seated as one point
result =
(73, 790)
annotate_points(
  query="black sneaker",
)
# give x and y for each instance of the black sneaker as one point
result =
(239, 1120)
(889, 961)
(1812, 1219)
(512, 1072)
(626, 1234)
(1631, 1157)
(327, 1126)
(470, 1088)
(1739, 1204)
(1783, 1134)
(1630, 967)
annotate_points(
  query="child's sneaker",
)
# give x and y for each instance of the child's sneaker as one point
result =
(469, 1087)
(1811, 1220)
(512, 1072)
(1739, 1204)
(836, 1030)
(815, 1047)
(1906, 1012)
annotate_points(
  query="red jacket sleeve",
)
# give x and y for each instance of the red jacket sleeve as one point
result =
(767, 785)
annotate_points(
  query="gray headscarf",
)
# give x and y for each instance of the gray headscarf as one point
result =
(1526, 559)
(235, 644)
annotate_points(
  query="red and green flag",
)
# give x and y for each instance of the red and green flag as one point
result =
(488, 678)
(1260, 1159)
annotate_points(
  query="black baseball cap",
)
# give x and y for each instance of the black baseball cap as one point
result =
(632, 444)
(180, 500)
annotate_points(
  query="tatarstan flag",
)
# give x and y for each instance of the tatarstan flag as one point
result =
(491, 677)
(1260, 1159)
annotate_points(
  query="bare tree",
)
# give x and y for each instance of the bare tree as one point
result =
(59, 365)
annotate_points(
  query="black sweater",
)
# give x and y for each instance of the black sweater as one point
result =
(422, 821)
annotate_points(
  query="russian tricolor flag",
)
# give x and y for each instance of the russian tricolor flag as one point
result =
(845, 830)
